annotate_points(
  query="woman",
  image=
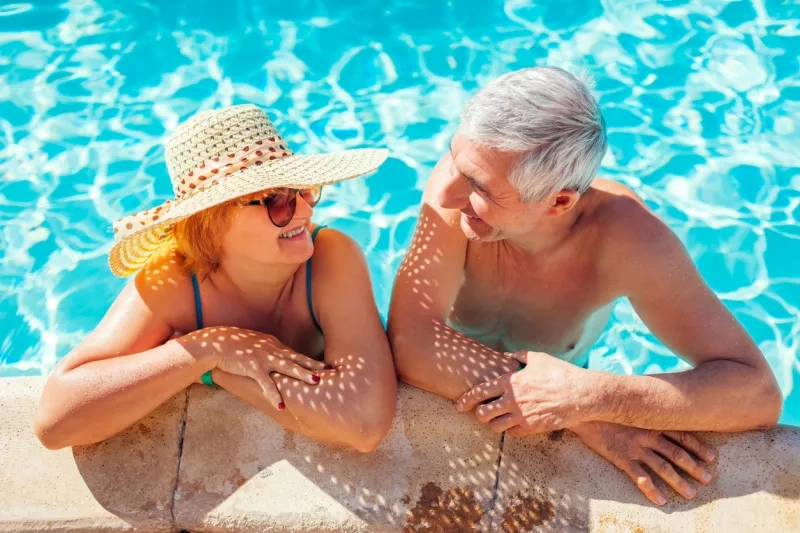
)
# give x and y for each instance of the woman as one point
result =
(227, 297)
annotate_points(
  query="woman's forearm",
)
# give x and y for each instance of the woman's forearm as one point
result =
(96, 400)
(348, 407)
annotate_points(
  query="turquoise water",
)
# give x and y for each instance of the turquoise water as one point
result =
(702, 101)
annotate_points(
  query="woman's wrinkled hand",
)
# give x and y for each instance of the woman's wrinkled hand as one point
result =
(633, 449)
(254, 355)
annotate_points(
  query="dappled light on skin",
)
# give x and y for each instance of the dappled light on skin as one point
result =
(454, 353)
(264, 355)
(327, 395)
(157, 273)
(459, 493)
(420, 255)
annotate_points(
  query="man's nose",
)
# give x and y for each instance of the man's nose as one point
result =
(454, 193)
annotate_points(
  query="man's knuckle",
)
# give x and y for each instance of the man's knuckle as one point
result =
(651, 435)
(678, 455)
(622, 446)
(663, 468)
(685, 439)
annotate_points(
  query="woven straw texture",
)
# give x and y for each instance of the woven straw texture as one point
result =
(218, 156)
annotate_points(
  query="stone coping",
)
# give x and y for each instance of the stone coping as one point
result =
(206, 462)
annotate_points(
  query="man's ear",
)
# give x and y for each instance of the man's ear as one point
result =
(562, 202)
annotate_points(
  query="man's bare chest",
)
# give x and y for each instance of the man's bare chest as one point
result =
(526, 306)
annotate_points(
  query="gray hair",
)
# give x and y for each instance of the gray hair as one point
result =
(550, 118)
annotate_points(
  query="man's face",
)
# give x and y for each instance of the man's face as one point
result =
(478, 186)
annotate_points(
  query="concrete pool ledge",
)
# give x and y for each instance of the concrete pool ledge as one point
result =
(206, 462)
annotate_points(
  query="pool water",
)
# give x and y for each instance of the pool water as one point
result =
(702, 101)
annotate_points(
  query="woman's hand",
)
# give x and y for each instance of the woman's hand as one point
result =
(254, 355)
(633, 449)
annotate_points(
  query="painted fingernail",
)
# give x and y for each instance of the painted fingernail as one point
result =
(661, 500)
(281, 406)
(690, 492)
(315, 378)
(706, 477)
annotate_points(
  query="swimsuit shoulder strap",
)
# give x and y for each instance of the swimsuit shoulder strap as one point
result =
(198, 305)
(308, 282)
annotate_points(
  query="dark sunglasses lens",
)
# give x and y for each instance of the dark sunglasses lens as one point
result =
(312, 196)
(281, 207)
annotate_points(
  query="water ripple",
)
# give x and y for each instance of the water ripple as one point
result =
(702, 101)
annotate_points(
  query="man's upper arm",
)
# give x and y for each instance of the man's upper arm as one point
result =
(655, 272)
(430, 275)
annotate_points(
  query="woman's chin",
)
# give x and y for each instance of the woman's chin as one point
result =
(298, 248)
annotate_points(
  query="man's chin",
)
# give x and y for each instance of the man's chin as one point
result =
(477, 230)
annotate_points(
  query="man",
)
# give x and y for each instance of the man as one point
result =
(520, 253)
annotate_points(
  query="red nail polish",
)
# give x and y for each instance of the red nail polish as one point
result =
(281, 406)
(315, 379)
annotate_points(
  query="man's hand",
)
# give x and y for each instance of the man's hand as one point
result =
(548, 394)
(632, 449)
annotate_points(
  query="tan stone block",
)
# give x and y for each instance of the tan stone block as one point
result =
(123, 483)
(551, 483)
(240, 471)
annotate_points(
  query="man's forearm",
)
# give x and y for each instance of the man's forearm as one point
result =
(435, 357)
(715, 396)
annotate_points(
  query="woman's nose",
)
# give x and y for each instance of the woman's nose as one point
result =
(302, 209)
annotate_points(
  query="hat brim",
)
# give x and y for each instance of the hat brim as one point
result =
(132, 251)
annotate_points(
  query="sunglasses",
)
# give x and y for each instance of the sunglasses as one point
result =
(281, 203)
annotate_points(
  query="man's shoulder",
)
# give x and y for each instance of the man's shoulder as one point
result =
(630, 232)
(624, 214)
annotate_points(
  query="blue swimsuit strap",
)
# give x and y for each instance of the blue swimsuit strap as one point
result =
(308, 282)
(198, 306)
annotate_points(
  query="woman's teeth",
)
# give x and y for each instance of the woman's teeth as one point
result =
(293, 233)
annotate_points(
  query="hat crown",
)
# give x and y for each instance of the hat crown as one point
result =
(197, 146)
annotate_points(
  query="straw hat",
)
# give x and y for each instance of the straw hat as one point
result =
(220, 155)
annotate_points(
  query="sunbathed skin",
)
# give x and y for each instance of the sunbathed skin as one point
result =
(529, 289)
(146, 348)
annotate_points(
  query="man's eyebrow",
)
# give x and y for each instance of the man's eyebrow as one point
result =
(477, 183)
